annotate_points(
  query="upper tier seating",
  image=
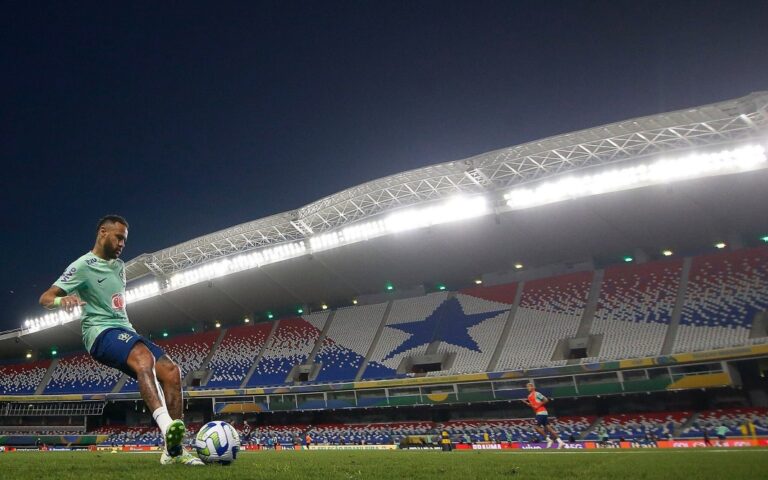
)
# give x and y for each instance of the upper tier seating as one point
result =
(409, 331)
(22, 379)
(635, 307)
(291, 345)
(79, 373)
(347, 342)
(236, 353)
(550, 309)
(471, 327)
(725, 292)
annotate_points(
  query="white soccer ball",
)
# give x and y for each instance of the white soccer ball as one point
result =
(217, 442)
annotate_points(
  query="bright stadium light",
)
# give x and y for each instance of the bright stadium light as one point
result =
(720, 245)
(478, 281)
(667, 253)
(29, 355)
(218, 324)
(518, 266)
(245, 261)
(628, 259)
(354, 301)
(665, 170)
(246, 320)
(270, 315)
(764, 238)
(324, 306)
(300, 310)
(452, 210)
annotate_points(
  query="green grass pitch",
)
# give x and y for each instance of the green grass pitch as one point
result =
(400, 465)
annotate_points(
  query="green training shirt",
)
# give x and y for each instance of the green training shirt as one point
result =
(101, 285)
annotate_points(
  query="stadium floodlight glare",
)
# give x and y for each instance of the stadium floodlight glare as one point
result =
(628, 259)
(478, 281)
(299, 310)
(665, 170)
(54, 352)
(141, 292)
(390, 286)
(29, 355)
(270, 315)
(245, 261)
(165, 334)
(246, 320)
(764, 238)
(440, 287)
(52, 319)
(452, 210)
(667, 253)
(324, 306)
(518, 266)
(720, 245)
(218, 324)
(354, 301)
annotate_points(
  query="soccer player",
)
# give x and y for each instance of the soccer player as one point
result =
(537, 402)
(96, 283)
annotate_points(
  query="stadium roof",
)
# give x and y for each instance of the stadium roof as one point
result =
(684, 216)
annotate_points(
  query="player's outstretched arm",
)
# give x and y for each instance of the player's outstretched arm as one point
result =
(55, 297)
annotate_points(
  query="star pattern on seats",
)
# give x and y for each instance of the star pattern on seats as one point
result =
(447, 323)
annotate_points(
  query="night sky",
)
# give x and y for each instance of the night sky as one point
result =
(188, 117)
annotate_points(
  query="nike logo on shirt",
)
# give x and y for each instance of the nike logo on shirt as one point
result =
(99, 281)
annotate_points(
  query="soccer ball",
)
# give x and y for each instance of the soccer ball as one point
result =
(217, 442)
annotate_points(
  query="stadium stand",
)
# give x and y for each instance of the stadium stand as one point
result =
(22, 379)
(79, 373)
(188, 351)
(236, 353)
(550, 309)
(635, 307)
(471, 327)
(410, 329)
(512, 430)
(368, 433)
(725, 292)
(347, 342)
(639, 426)
(291, 345)
(738, 420)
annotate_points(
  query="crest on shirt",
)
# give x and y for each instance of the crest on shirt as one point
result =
(118, 302)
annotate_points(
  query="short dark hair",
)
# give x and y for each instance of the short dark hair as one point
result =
(111, 219)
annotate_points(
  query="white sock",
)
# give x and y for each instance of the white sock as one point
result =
(162, 418)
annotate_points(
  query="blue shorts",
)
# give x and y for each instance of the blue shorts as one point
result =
(113, 346)
(542, 420)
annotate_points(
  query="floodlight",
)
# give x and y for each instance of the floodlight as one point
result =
(478, 281)
(299, 310)
(764, 238)
(246, 320)
(440, 287)
(354, 301)
(324, 306)
(665, 170)
(270, 316)
(165, 334)
(54, 352)
(518, 266)
(29, 354)
(628, 259)
(218, 325)
(390, 286)
(720, 245)
(667, 253)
